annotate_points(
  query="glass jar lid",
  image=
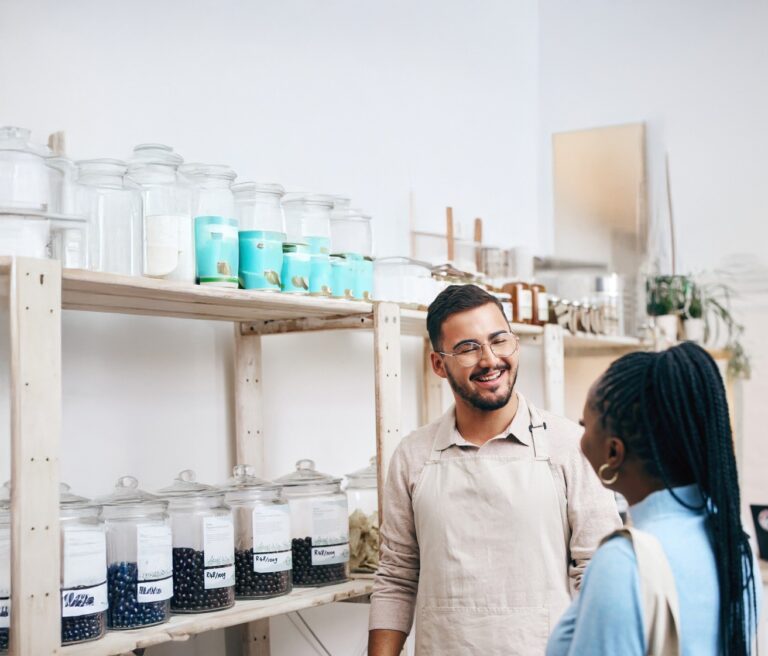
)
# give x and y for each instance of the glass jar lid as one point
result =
(199, 170)
(244, 476)
(316, 200)
(247, 188)
(306, 474)
(128, 495)
(365, 477)
(154, 153)
(186, 485)
(13, 138)
(69, 500)
(103, 166)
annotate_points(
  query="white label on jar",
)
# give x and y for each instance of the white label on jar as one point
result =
(162, 243)
(330, 555)
(543, 309)
(275, 561)
(5, 612)
(154, 590)
(85, 558)
(84, 601)
(218, 541)
(154, 546)
(526, 304)
(271, 539)
(219, 577)
(330, 532)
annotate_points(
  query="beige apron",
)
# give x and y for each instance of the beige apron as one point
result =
(493, 552)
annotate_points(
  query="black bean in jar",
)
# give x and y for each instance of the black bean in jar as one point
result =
(82, 628)
(256, 585)
(307, 574)
(4, 639)
(125, 611)
(189, 593)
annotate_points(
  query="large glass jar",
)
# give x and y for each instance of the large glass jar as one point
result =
(352, 259)
(213, 211)
(24, 182)
(262, 536)
(308, 221)
(261, 224)
(139, 554)
(363, 499)
(112, 205)
(319, 525)
(83, 569)
(203, 546)
(5, 566)
(62, 177)
(169, 241)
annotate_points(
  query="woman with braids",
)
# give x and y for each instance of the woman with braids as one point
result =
(683, 579)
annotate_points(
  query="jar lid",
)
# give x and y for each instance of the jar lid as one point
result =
(365, 477)
(154, 153)
(104, 165)
(349, 214)
(69, 500)
(306, 474)
(127, 493)
(319, 200)
(13, 138)
(186, 485)
(244, 477)
(258, 188)
(199, 170)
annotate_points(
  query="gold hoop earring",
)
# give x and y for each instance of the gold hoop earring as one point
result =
(607, 481)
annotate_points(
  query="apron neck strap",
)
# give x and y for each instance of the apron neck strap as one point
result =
(537, 428)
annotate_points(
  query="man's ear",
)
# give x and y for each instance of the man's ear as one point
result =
(438, 365)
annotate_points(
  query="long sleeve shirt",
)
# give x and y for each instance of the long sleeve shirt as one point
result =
(588, 510)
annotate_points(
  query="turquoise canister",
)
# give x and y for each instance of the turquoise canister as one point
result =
(216, 251)
(320, 266)
(363, 279)
(261, 259)
(294, 275)
(341, 277)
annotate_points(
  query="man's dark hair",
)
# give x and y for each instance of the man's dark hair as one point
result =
(454, 299)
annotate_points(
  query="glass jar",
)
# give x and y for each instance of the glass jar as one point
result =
(112, 206)
(83, 569)
(296, 269)
(308, 221)
(5, 566)
(261, 234)
(539, 304)
(403, 280)
(352, 259)
(522, 301)
(24, 234)
(24, 182)
(62, 177)
(203, 546)
(263, 558)
(169, 241)
(363, 499)
(319, 526)
(139, 554)
(213, 211)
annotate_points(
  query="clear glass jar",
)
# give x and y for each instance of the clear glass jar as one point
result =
(5, 566)
(24, 182)
(363, 498)
(24, 234)
(258, 206)
(83, 569)
(319, 525)
(263, 558)
(308, 221)
(112, 205)
(139, 554)
(203, 546)
(169, 241)
(215, 225)
(62, 177)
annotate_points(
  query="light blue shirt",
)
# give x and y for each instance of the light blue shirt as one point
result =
(606, 618)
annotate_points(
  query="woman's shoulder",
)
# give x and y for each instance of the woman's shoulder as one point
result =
(613, 566)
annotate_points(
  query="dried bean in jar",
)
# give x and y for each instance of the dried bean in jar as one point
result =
(307, 574)
(189, 592)
(257, 585)
(4, 639)
(125, 611)
(82, 628)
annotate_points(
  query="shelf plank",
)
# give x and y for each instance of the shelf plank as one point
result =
(586, 344)
(181, 627)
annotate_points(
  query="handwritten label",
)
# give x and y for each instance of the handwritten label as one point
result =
(271, 539)
(219, 577)
(84, 601)
(159, 590)
(278, 561)
(5, 612)
(154, 549)
(330, 555)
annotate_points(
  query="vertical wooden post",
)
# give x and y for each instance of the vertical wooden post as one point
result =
(449, 233)
(249, 449)
(432, 389)
(386, 348)
(35, 329)
(554, 364)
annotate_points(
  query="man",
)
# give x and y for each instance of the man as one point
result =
(491, 513)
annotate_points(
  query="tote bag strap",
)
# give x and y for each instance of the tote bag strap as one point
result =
(661, 610)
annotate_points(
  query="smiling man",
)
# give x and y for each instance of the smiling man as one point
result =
(491, 513)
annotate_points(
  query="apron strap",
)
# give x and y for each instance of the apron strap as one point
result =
(537, 427)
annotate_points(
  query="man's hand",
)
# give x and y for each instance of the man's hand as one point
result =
(385, 642)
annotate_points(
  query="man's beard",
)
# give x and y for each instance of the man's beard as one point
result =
(475, 399)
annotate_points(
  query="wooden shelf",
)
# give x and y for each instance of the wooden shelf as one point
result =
(586, 344)
(180, 627)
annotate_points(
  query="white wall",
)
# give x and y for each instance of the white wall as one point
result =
(373, 100)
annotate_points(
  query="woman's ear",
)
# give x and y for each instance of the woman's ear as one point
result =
(616, 452)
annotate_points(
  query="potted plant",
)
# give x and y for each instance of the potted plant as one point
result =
(693, 315)
(722, 331)
(665, 300)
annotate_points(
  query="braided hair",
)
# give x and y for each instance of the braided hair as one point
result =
(671, 412)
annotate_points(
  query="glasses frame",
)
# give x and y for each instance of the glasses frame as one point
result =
(482, 345)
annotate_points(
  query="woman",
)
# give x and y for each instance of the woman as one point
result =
(657, 430)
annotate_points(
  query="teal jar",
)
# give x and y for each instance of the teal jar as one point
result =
(295, 272)
(320, 267)
(261, 259)
(216, 251)
(342, 277)
(363, 278)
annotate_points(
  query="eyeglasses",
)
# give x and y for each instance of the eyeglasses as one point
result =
(469, 354)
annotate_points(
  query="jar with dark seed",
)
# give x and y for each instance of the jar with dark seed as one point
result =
(139, 550)
(4, 639)
(263, 555)
(5, 565)
(203, 546)
(83, 569)
(319, 526)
